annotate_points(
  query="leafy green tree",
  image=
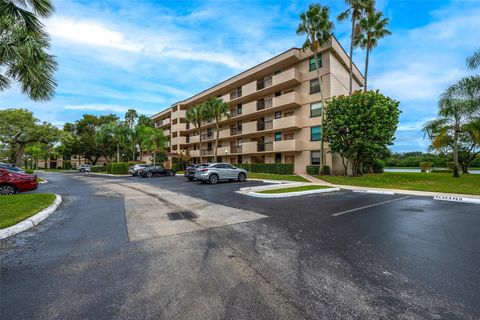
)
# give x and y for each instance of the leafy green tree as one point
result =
(84, 132)
(196, 115)
(143, 120)
(35, 152)
(372, 28)
(24, 48)
(19, 128)
(473, 62)
(116, 133)
(154, 142)
(356, 10)
(217, 110)
(361, 126)
(316, 25)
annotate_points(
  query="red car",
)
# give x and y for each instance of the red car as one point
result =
(13, 182)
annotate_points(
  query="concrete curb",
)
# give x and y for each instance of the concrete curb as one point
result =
(374, 191)
(457, 199)
(32, 221)
(290, 194)
(44, 181)
(271, 181)
(108, 174)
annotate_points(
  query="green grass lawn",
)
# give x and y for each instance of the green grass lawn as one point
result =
(293, 189)
(18, 207)
(438, 182)
(270, 176)
(39, 180)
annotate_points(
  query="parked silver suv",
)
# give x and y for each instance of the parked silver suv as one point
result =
(220, 171)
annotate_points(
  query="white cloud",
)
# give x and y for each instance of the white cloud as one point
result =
(103, 107)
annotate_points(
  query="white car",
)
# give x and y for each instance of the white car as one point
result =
(220, 172)
(84, 168)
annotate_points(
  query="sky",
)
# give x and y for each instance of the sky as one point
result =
(119, 54)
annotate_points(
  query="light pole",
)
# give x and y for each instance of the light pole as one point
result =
(226, 154)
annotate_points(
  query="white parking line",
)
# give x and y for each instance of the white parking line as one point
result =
(365, 207)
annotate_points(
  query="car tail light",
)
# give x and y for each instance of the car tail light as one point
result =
(203, 170)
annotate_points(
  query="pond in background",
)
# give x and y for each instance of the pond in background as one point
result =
(418, 170)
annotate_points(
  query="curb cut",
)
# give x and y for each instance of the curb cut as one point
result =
(456, 199)
(32, 221)
(270, 181)
(289, 194)
(374, 191)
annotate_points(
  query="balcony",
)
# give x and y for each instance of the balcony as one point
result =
(265, 147)
(236, 149)
(264, 104)
(162, 123)
(206, 152)
(195, 153)
(267, 125)
(287, 145)
(236, 130)
(194, 139)
(264, 83)
(206, 136)
(166, 132)
(291, 122)
(235, 112)
(249, 147)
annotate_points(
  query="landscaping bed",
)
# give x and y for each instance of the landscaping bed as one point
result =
(293, 189)
(435, 182)
(271, 176)
(18, 207)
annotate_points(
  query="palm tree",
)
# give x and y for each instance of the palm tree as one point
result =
(456, 110)
(217, 110)
(316, 25)
(356, 10)
(372, 28)
(154, 141)
(117, 132)
(23, 48)
(196, 115)
(130, 117)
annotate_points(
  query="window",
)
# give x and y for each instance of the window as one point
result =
(278, 115)
(311, 62)
(239, 109)
(315, 158)
(278, 158)
(315, 133)
(237, 93)
(315, 109)
(278, 136)
(228, 166)
(314, 86)
(278, 93)
(239, 158)
(278, 72)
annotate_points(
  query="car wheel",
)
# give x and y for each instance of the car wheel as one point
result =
(171, 173)
(213, 179)
(7, 190)
(82, 170)
(149, 174)
(242, 177)
(190, 179)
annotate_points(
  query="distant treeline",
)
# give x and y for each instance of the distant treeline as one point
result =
(413, 159)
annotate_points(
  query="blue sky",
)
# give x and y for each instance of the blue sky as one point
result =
(115, 55)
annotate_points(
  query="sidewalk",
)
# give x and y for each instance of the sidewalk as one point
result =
(314, 180)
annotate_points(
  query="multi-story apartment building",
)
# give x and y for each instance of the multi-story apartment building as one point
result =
(275, 112)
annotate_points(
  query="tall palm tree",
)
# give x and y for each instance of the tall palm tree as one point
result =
(372, 28)
(24, 48)
(117, 132)
(356, 10)
(154, 141)
(196, 115)
(473, 62)
(217, 110)
(315, 23)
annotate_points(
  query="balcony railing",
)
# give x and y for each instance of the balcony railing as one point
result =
(206, 152)
(236, 94)
(206, 136)
(268, 146)
(235, 112)
(267, 125)
(264, 83)
(235, 130)
(264, 104)
(235, 149)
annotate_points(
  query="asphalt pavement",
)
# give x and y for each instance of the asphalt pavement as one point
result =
(340, 255)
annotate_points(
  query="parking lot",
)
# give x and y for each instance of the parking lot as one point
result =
(112, 251)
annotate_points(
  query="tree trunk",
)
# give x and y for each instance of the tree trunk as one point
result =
(154, 158)
(366, 68)
(464, 167)
(352, 37)
(133, 153)
(455, 150)
(19, 154)
(216, 141)
(118, 152)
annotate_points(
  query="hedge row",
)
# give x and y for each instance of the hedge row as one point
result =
(117, 167)
(315, 170)
(98, 168)
(275, 168)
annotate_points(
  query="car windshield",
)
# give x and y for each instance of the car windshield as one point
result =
(11, 168)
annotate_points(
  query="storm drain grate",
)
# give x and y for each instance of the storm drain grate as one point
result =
(181, 215)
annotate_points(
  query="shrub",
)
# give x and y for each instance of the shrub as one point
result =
(274, 168)
(67, 165)
(119, 168)
(29, 171)
(451, 165)
(177, 166)
(108, 167)
(326, 170)
(425, 166)
(98, 169)
(313, 170)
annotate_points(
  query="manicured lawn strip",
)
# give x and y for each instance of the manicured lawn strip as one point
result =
(40, 180)
(270, 176)
(18, 207)
(436, 182)
(293, 189)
